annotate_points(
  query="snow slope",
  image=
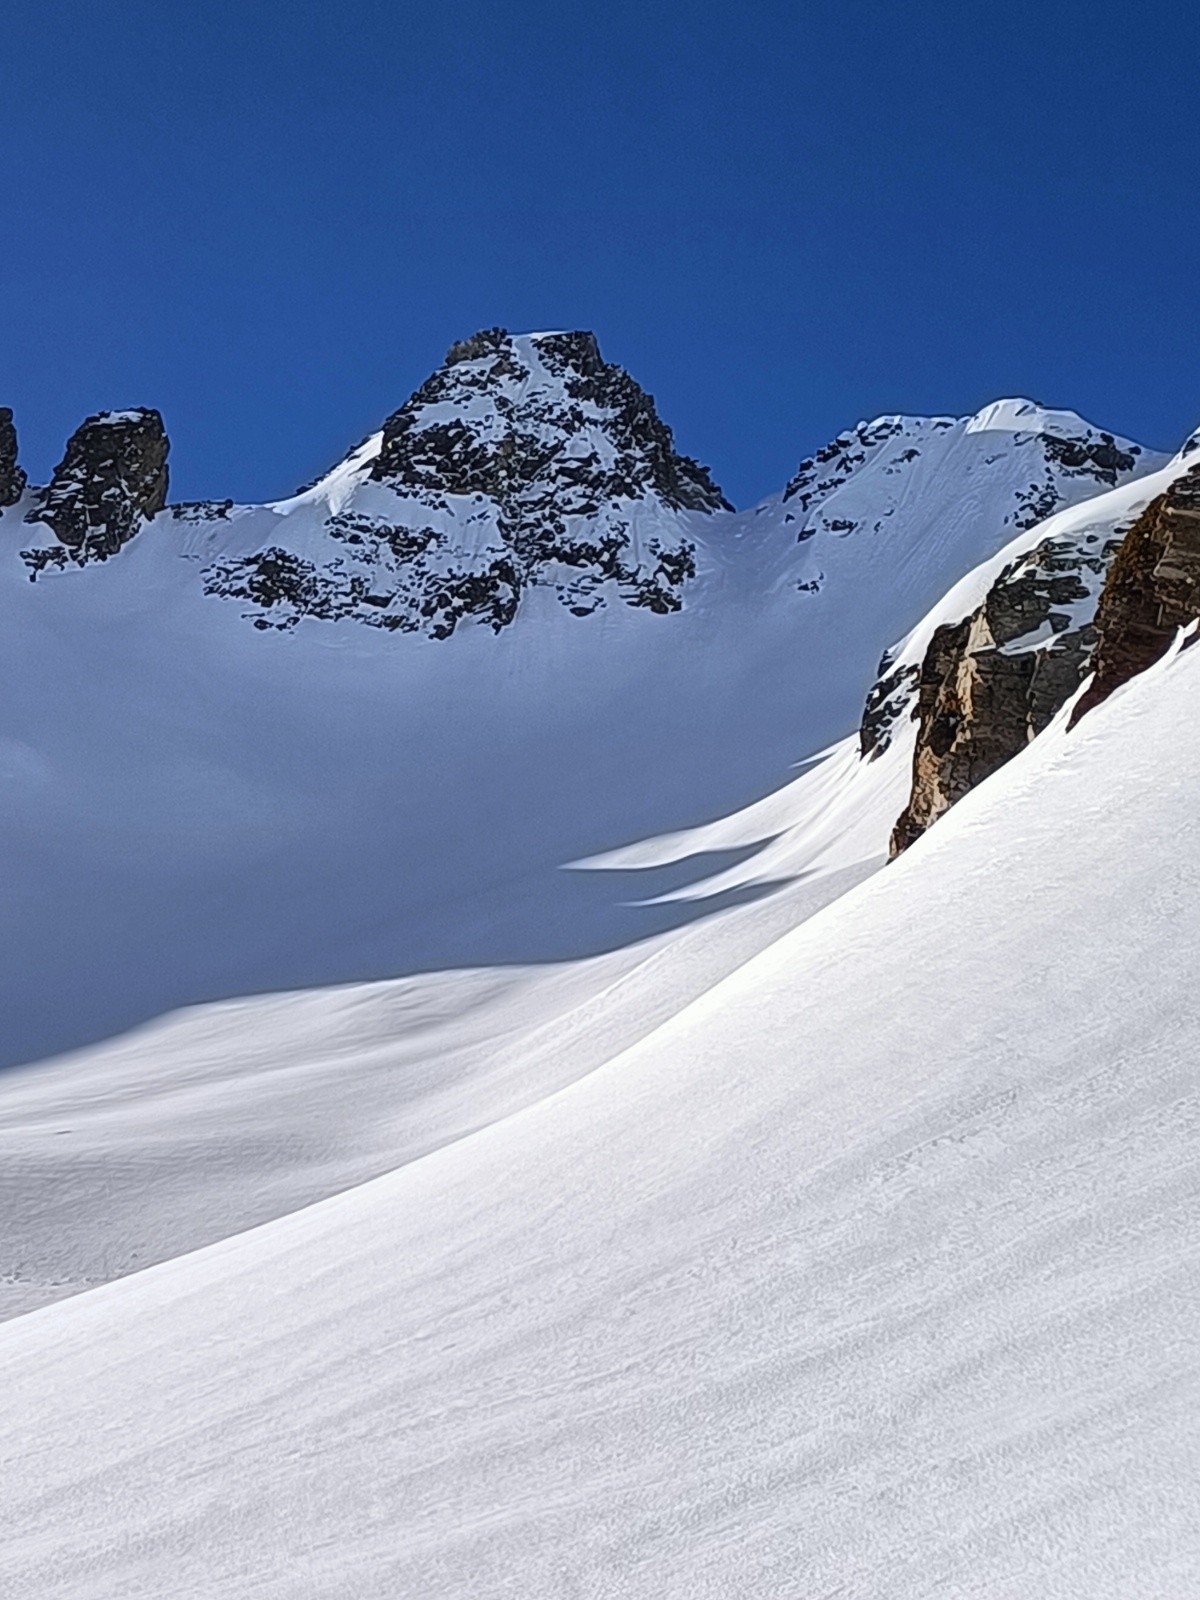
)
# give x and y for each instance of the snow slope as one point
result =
(223, 1116)
(429, 880)
(194, 808)
(872, 1272)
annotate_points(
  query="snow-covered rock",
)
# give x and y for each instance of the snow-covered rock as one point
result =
(112, 479)
(1023, 461)
(983, 682)
(993, 681)
(529, 463)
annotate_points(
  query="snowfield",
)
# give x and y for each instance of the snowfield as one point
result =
(427, 880)
(515, 1141)
(873, 1271)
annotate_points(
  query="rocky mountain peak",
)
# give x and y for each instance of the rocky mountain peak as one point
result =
(487, 343)
(12, 478)
(111, 479)
(509, 417)
(524, 461)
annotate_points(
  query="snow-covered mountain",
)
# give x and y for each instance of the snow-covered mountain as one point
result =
(217, 781)
(530, 462)
(699, 1211)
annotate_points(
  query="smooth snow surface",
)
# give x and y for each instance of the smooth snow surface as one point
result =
(873, 1272)
(489, 861)
(712, 1214)
(227, 1115)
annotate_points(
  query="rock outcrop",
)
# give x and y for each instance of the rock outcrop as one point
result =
(12, 478)
(1152, 589)
(992, 682)
(111, 479)
(890, 696)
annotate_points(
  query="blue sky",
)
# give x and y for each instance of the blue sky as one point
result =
(270, 220)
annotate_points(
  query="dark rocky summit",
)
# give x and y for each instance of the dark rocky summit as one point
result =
(527, 449)
(990, 683)
(1153, 589)
(521, 462)
(12, 478)
(111, 479)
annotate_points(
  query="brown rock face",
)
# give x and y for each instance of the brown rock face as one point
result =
(992, 682)
(1153, 588)
(112, 477)
(12, 479)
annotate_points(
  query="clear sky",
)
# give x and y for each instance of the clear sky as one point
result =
(271, 219)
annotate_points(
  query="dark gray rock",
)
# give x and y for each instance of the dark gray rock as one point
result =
(112, 478)
(1097, 455)
(12, 478)
(835, 463)
(889, 698)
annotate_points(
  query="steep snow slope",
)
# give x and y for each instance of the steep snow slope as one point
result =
(872, 1272)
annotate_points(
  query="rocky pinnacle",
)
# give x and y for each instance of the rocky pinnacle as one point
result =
(12, 478)
(111, 479)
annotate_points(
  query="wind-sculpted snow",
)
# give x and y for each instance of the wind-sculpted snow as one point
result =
(872, 1271)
